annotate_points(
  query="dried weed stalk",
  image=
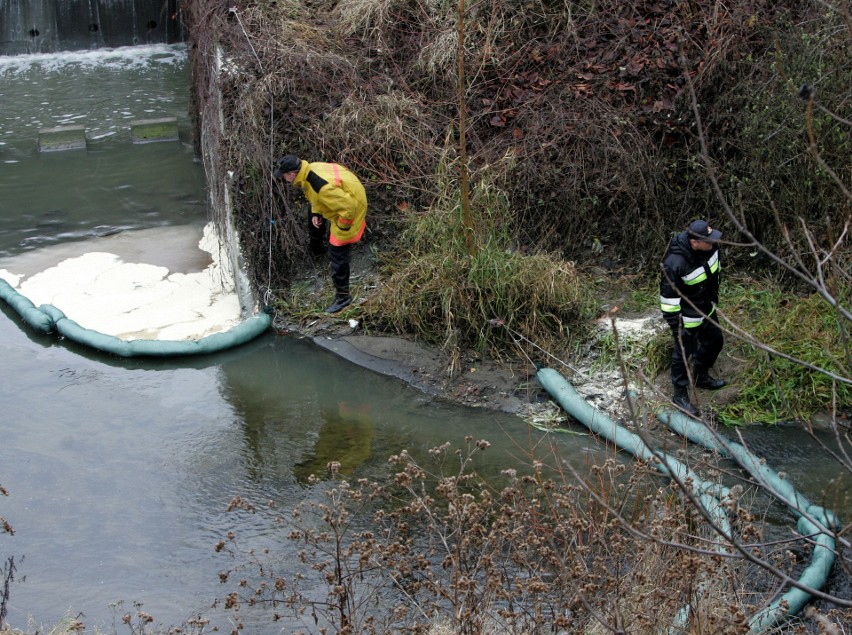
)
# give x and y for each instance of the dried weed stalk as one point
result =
(529, 551)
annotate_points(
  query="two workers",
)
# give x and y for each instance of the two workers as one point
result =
(689, 281)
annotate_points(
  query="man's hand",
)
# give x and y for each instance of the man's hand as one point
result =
(673, 320)
(316, 220)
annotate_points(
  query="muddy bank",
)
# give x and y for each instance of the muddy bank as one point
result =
(472, 381)
(465, 377)
(459, 377)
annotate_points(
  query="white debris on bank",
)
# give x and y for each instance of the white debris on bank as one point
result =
(632, 328)
(102, 291)
(605, 388)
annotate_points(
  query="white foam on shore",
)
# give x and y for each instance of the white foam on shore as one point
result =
(102, 291)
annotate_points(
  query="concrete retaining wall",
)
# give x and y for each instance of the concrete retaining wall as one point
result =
(47, 26)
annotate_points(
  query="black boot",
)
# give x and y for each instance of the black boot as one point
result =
(681, 400)
(705, 381)
(341, 301)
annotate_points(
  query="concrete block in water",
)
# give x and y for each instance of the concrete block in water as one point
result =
(146, 130)
(64, 138)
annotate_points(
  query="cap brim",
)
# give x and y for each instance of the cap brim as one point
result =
(277, 174)
(712, 237)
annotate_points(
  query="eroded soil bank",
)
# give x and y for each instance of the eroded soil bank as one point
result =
(466, 377)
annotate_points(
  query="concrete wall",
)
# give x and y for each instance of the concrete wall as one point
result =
(46, 26)
(219, 188)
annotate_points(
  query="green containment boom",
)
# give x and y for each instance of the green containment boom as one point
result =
(48, 319)
(819, 524)
(711, 495)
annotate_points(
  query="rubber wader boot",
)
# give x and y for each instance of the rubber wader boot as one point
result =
(681, 400)
(704, 380)
(342, 301)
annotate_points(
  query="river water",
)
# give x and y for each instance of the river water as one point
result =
(119, 472)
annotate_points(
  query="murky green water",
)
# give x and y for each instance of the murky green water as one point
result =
(119, 472)
(113, 185)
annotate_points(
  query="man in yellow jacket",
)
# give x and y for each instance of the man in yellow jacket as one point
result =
(337, 198)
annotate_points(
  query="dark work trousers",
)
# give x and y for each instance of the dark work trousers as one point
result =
(701, 344)
(338, 255)
(317, 234)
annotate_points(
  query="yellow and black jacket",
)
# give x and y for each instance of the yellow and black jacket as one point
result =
(337, 195)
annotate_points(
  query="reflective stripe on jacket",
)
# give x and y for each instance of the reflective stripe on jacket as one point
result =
(688, 278)
(336, 194)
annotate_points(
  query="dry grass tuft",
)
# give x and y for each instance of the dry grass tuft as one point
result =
(438, 59)
(368, 18)
(438, 291)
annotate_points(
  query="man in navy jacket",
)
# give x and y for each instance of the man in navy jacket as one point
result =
(689, 291)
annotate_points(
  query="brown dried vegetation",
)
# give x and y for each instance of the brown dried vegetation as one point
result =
(539, 549)
(577, 111)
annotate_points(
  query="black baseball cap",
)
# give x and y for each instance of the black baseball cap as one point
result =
(287, 163)
(701, 230)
